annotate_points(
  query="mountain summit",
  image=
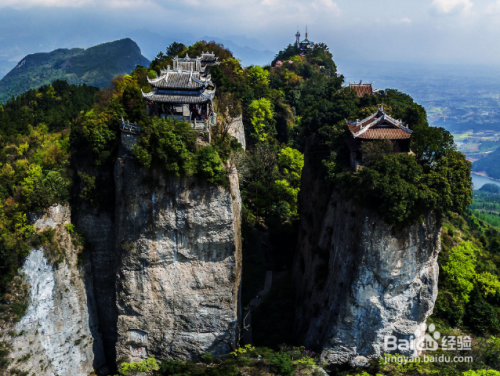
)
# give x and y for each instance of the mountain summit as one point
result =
(94, 66)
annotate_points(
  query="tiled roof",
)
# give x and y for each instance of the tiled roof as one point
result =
(379, 125)
(180, 80)
(166, 97)
(385, 133)
(362, 89)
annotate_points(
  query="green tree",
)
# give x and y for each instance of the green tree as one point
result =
(31, 186)
(291, 162)
(489, 284)
(261, 115)
(258, 79)
(175, 49)
(170, 144)
(210, 166)
(99, 129)
(461, 269)
(374, 150)
(285, 198)
(456, 170)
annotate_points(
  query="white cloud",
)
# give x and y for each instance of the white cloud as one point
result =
(452, 6)
(75, 3)
(494, 8)
(404, 20)
(326, 5)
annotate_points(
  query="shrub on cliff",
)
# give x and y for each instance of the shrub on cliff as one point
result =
(144, 367)
(169, 144)
(210, 166)
(398, 187)
(247, 360)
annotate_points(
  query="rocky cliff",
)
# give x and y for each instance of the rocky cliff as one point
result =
(58, 335)
(178, 266)
(237, 130)
(359, 279)
(166, 261)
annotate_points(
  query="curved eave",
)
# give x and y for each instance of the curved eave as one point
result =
(205, 97)
(162, 83)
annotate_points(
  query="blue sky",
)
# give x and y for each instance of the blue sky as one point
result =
(423, 31)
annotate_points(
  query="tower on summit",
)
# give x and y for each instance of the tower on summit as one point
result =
(304, 46)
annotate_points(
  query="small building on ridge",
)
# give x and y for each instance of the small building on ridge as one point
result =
(362, 89)
(378, 126)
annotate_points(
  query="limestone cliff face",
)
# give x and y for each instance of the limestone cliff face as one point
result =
(166, 261)
(237, 130)
(178, 266)
(359, 279)
(58, 335)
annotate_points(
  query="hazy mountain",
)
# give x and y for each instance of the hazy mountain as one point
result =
(251, 51)
(94, 66)
(152, 43)
(64, 28)
(489, 165)
(240, 49)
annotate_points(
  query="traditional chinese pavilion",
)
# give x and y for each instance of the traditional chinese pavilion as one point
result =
(185, 91)
(378, 126)
(361, 88)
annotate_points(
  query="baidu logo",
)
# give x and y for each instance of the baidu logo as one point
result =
(419, 341)
(425, 341)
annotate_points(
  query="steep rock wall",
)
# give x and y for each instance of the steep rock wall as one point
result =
(357, 278)
(237, 130)
(178, 266)
(58, 335)
(95, 221)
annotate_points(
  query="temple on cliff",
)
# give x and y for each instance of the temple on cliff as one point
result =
(185, 91)
(378, 126)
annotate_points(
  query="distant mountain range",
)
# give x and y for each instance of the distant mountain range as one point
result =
(65, 28)
(250, 50)
(94, 66)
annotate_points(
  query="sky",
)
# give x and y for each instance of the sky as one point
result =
(418, 31)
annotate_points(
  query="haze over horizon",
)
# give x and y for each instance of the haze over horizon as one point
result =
(431, 31)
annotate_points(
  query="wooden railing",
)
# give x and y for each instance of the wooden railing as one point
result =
(128, 127)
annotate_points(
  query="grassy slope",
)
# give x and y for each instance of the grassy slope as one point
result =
(94, 66)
